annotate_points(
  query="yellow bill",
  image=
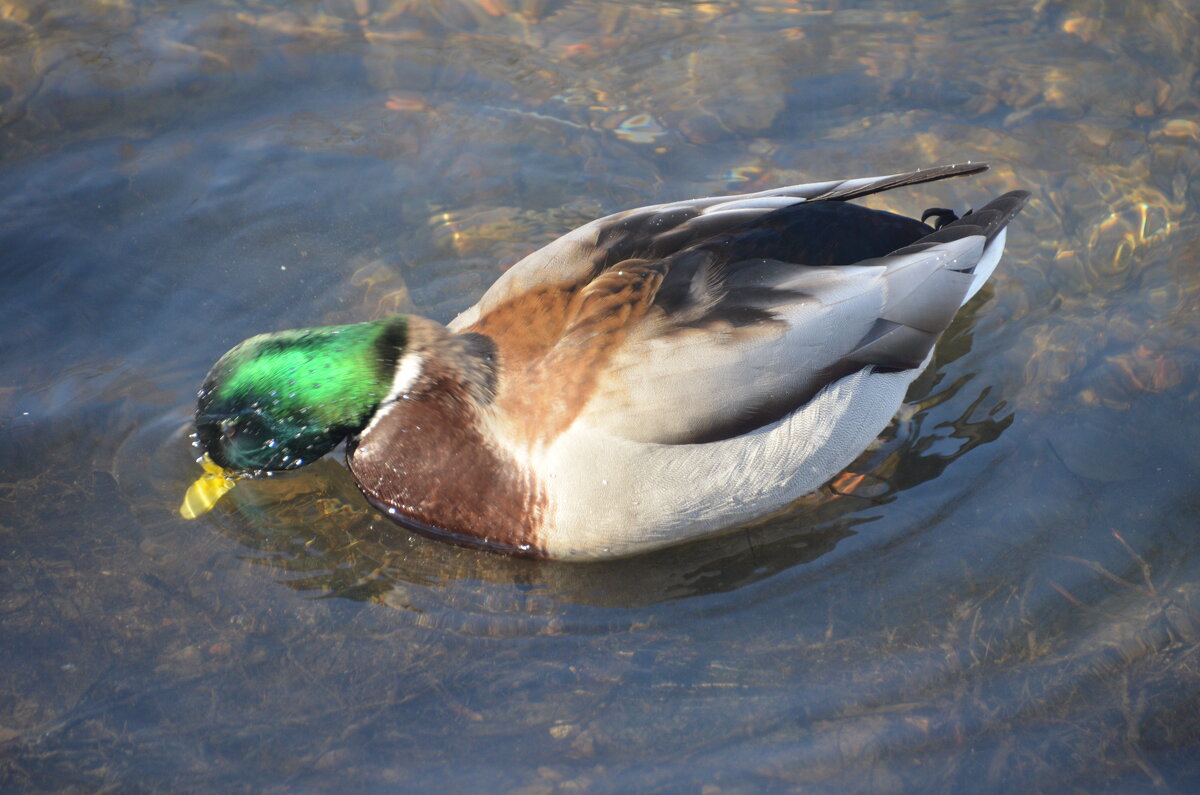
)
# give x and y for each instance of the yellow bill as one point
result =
(208, 488)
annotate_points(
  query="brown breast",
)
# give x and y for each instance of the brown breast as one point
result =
(426, 462)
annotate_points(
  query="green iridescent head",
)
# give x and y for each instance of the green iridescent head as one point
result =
(279, 401)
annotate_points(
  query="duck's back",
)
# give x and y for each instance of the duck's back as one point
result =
(698, 321)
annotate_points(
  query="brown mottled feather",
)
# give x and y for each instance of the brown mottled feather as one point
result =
(529, 324)
(549, 380)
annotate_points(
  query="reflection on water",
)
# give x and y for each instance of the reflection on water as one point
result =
(1005, 594)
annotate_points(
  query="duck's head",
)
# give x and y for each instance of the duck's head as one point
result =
(279, 401)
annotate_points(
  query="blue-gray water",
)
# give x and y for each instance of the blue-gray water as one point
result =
(1009, 600)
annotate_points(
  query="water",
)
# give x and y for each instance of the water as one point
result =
(1010, 600)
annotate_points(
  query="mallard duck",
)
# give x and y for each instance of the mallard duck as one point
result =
(650, 378)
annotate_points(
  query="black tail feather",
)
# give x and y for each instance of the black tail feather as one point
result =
(911, 178)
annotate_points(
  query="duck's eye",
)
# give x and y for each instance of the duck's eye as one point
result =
(239, 442)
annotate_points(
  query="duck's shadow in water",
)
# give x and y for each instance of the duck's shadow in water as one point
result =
(318, 527)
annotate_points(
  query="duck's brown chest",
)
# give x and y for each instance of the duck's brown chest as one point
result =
(430, 467)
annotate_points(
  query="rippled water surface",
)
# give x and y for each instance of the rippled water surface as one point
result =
(1008, 600)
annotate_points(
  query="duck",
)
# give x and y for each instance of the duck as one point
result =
(653, 377)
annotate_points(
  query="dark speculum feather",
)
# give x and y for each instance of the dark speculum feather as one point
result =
(821, 233)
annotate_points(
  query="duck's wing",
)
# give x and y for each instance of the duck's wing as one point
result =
(744, 329)
(658, 231)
